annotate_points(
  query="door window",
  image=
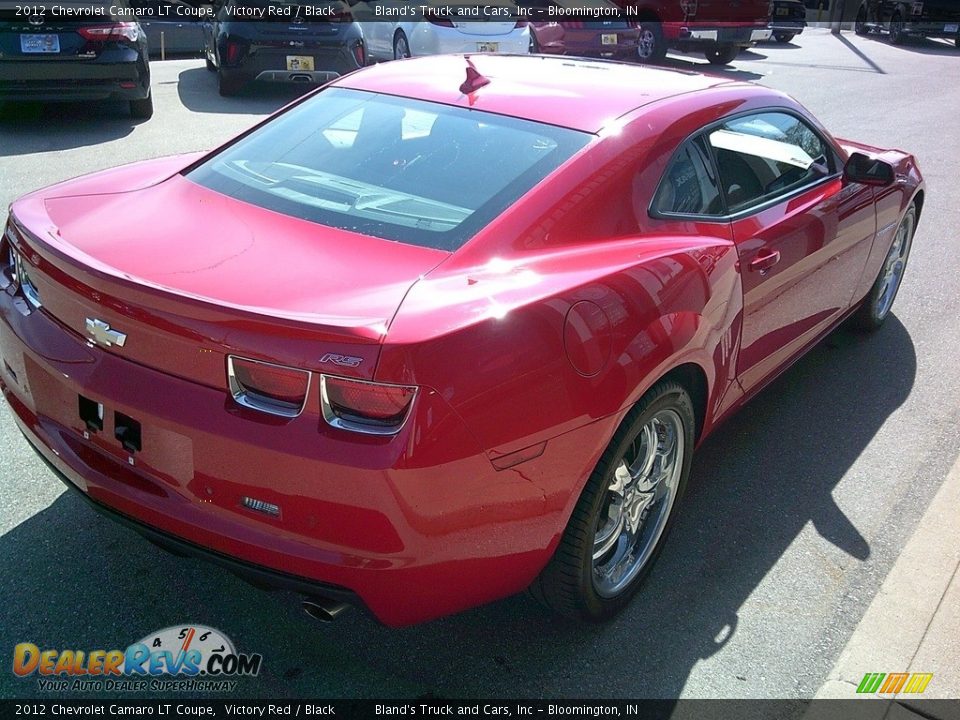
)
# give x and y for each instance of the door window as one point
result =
(764, 156)
(689, 186)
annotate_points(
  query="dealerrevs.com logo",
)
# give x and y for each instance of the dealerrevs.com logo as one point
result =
(190, 658)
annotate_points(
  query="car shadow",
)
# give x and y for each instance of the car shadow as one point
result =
(81, 581)
(197, 88)
(917, 44)
(33, 127)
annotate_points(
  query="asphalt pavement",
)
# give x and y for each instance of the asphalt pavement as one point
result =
(797, 511)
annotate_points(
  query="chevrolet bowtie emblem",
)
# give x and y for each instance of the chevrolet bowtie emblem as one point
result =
(103, 335)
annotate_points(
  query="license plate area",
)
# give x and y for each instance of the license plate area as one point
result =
(608, 39)
(488, 47)
(39, 44)
(952, 28)
(300, 62)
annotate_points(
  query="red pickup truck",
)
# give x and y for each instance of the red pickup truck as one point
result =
(720, 28)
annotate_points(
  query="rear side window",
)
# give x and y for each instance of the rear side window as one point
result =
(690, 187)
(763, 156)
(391, 167)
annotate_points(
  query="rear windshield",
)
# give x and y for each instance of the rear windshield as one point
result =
(395, 168)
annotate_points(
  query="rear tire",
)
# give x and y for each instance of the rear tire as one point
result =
(860, 24)
(898, 34)
(210, 66)
(784, 38)
(142, 109)
(879, 301)
(619, 524)
(401, 46)
(722, 54)
(228, 85)
(534, 44)
(651, 45)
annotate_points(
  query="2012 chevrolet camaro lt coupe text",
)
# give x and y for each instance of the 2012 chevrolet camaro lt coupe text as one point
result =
(444, 329)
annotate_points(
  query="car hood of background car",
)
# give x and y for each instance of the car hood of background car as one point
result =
(181, 238)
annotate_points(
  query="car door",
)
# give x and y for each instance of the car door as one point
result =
(802, 234)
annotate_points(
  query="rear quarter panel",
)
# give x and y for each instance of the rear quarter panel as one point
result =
(561, 314)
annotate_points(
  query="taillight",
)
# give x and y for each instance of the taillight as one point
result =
(14, 269)
(269, 388)
(115, 31)
(367, 407)
(436, 18)
(689, 8)
(233, 52)
(359, 54)
(8, 260)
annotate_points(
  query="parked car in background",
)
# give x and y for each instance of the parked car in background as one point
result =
(615, 39)
(173, 27)
(445, 329)
(788, 19)
(438, 34)
(242, 51)
(919, 18)
(44, 58)
(717, 28)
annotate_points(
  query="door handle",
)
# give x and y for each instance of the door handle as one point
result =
(764, 261)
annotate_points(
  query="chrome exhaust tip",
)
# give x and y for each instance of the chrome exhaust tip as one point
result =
(324, 610)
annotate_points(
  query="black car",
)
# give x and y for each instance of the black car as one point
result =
(788, 19)
(295, 43)
(922, 18)
(45, 58)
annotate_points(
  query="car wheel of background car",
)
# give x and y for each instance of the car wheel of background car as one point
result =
(876, 306)
(722, 54)
(142, 109)
(619, 524)
(228, 84)
(784, 37)
(651, 47)
(534, 45)
(210, 66)
(897, 29)
(860, 25)
(401, 48)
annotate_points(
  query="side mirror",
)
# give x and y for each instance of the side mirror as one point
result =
(868, 171)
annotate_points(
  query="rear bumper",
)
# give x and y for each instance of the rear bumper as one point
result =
(254, 574)
(416, 526)
(946, 29)
(441, 40)
(53, 81)
(788, 26)
(743, 35)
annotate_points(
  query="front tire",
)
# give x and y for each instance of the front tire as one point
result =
(651, 45)
(784, 38)
(626, 510)
(722, 54)
(879, 301)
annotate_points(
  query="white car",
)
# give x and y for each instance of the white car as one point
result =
(439, 35)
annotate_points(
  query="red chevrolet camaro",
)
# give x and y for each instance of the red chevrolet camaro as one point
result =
(444, 329)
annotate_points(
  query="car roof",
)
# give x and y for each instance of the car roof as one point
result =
(582, 94)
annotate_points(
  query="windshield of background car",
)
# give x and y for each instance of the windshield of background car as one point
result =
(390, 167)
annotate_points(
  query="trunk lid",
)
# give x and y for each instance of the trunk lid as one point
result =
(190, 276)
(751, 12)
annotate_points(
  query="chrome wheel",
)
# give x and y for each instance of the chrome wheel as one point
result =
(647, 44)
(893, 267)
(639, 498)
